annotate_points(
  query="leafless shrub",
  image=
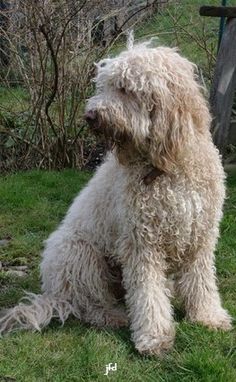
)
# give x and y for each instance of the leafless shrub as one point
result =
(51, 49)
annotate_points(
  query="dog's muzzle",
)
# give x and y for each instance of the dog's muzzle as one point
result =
(91, 117)
(99, 128)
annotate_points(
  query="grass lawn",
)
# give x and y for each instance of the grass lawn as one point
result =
(32, 204)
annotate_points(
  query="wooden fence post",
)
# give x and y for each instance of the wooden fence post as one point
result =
(224, 85)
(224, 80)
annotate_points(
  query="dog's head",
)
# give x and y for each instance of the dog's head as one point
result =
(150, 98)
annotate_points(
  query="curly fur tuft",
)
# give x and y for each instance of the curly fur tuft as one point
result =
(35, 314)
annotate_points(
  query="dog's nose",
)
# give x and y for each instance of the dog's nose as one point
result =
(90, 116)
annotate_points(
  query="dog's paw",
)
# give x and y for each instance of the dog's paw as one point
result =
(215, 319)
(154, 346)
(106, 316)
(116, 318)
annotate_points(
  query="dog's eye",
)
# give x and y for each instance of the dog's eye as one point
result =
(122, 90)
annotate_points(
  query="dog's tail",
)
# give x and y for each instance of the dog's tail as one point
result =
(34, 313)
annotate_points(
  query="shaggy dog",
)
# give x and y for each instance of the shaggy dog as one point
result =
(152, 209)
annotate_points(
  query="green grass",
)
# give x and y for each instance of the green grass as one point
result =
(13, 99)
(32, 204)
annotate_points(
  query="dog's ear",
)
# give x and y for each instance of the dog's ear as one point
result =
(168, 138)
(179, 117)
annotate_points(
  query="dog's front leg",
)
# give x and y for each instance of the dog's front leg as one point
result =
(148, 304)
(196, 284)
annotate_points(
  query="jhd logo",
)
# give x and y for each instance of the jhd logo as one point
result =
(110, 367)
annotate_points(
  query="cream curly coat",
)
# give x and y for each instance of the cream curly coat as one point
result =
(149, 102)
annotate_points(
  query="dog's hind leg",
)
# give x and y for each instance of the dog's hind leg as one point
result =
(89, 286)
(75, 280)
